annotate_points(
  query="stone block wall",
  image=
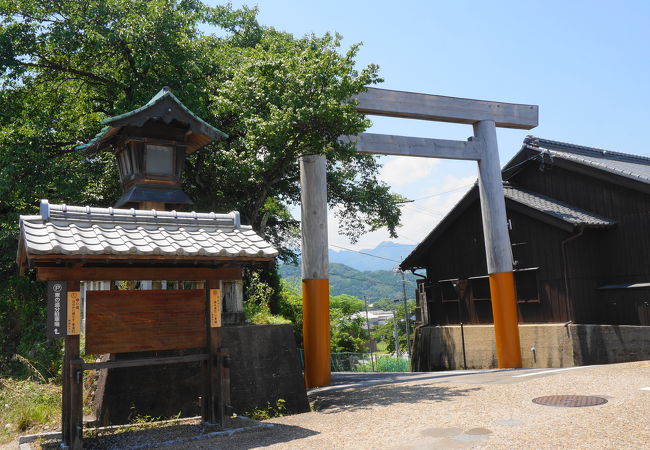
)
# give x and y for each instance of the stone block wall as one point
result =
(264, 368)
(542, 345)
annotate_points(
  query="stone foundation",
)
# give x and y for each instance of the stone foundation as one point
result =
(542, 345)
(264, 368)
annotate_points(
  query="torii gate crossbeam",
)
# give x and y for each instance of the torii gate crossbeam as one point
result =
(485, 117)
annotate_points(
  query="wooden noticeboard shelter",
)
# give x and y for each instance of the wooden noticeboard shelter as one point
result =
(66, 245)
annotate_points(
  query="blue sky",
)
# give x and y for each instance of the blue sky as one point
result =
(586, 64)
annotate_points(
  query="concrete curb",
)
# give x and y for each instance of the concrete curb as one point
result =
(24, 441)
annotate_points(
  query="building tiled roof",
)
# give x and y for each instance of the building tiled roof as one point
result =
(556, 208)
(78, 230)
(629, 166)
(625, 165)
(548, 206)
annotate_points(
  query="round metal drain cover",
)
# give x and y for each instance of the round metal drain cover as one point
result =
(570, 401)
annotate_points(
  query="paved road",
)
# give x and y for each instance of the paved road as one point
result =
(342, 380)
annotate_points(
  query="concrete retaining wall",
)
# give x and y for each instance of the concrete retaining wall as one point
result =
(542, 345)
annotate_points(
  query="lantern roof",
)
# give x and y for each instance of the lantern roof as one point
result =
(164, 108)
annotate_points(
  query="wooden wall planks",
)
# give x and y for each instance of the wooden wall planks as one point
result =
(596, 258)
(134, 321)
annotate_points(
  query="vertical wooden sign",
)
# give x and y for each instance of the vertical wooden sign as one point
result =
(57, 318)
(215, 308)
(74, 313)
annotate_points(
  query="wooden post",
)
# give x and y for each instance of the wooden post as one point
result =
(497, 248)
(315, 282)
(205, 365)
(65, 392)
(224, 408)
(216, 402)
(72, 411)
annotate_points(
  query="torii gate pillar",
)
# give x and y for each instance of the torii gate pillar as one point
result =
(498, 251)
(315, 278)
(485, 117)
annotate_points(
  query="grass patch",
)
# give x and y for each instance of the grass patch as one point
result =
(385, 364)
(28, 407)
(271, 411)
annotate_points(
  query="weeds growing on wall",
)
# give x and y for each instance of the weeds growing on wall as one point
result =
(271, 411)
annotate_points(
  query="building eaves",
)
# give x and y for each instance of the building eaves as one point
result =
(410, 262)
(557, 209)
(630, 166)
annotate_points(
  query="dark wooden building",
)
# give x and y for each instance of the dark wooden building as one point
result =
(579, 219)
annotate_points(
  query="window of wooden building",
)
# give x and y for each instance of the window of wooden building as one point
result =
(527, 286)
(480, 287)
(448, 291)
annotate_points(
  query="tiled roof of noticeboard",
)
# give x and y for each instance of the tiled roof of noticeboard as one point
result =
(79, 230)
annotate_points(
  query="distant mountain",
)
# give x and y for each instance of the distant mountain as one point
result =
(375, 284)
(385, 256)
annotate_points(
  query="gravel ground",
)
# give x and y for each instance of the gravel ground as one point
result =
(426, 414)
(489, 410)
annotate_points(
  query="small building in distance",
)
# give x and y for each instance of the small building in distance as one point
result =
(579, 220)
(374, 317)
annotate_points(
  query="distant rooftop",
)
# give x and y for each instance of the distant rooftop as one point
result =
(624, 164)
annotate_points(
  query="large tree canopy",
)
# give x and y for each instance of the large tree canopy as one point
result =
(66, 64)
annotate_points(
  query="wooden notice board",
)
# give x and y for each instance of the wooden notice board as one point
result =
(134, 321)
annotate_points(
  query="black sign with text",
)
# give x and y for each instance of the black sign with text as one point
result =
(57, 314)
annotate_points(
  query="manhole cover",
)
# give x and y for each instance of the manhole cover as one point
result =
(571, 401)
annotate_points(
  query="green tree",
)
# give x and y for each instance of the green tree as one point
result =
(347, 329)
(347, 332)
(65, 65)
(386, 333)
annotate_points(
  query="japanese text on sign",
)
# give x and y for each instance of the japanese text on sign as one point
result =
(215, 308)
(57, 295)
(74, 313)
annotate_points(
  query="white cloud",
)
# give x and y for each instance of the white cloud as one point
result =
(403, 170)
(419, 217)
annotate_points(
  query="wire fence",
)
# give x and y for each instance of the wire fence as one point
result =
(365, 362)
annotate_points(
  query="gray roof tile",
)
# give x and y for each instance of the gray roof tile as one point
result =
(556, 208)
(77, 230)
(624, 164)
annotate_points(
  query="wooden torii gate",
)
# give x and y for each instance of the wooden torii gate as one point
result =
(485, 117)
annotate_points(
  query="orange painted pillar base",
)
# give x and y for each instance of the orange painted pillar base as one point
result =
(506, 326)
(316, 332)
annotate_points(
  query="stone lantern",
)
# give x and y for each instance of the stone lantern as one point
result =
(150, 144)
